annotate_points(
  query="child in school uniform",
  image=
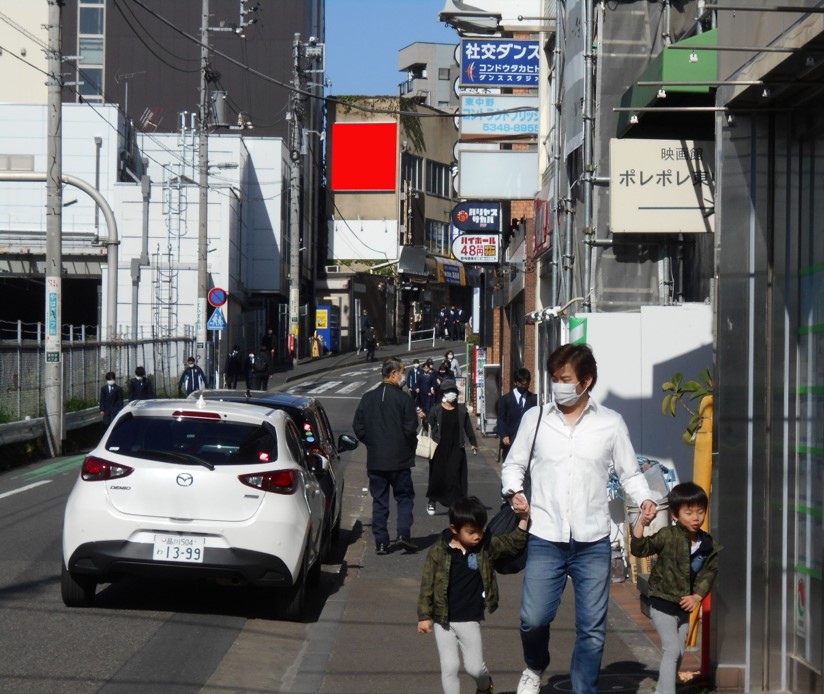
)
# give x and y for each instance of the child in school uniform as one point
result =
(459, 584)
(683, 573)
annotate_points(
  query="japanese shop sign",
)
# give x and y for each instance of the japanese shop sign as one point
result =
(661, 186)
(499, 63)
(504, 123)
(477, 248)
(475, 215)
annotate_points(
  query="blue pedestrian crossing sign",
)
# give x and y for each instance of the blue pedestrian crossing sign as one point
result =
(216, 321)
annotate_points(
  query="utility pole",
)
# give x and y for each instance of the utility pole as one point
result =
(294, 197)
(53, 386)
(203, 199)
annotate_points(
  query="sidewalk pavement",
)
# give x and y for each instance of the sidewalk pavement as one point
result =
(366, 639)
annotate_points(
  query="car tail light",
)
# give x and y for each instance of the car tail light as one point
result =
(195, 414)
(98, 470)
(276, 481)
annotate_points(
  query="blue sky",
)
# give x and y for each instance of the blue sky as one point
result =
(363, 38)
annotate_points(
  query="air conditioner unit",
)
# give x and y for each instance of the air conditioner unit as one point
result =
(332, 269)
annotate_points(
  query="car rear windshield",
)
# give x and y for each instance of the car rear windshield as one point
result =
(217, 442)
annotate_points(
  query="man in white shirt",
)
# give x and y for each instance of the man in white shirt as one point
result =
(577, 442)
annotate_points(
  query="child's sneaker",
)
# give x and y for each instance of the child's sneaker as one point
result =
(430, 508)
(488, 690)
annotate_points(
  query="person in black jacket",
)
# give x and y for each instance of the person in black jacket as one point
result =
(233, 368)
(140, 387)
(111, 399)
(511, 408)
(387, 424)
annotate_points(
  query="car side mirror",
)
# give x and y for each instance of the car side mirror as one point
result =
(347, 442)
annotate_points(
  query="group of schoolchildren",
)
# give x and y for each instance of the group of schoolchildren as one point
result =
(451, 323)
(424, 381)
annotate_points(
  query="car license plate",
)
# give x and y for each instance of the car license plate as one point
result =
(184, 548)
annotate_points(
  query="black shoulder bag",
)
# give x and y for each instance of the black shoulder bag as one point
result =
(505, 520)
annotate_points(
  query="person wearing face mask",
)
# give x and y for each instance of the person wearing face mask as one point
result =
(386, 422)
(578, 441)
(511, 408)
(428, 386)
(452, 430)
(140, 387)
(454, 367)
(111, 399)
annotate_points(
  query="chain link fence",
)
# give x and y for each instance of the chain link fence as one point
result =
(85, 361)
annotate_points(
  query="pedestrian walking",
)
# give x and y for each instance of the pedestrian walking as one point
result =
(192, 378)
(261, 368)
(578, 442)
(249, 370)
(511, 408)
(454, 366)
(233, 368)
(371, 337)
(682, 575)
(111, 398)
(458, 585)
(413, 380)
(451, 429)
(426, 398)
(365, 324)
(385, 421)
(140, 387)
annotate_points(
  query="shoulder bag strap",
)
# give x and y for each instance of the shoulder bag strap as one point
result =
(527, 477)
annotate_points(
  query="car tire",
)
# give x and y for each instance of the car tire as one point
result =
(292, 600)
(76, 590)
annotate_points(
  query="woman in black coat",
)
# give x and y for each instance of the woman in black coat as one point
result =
(451, 429)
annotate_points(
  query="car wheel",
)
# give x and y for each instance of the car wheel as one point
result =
(292, 600)
(75, 589)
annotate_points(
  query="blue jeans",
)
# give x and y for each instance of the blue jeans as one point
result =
(400, 482)
(547, 567)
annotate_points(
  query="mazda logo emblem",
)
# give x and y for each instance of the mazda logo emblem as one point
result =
(184, 479)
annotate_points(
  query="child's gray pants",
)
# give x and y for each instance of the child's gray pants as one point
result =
(467, 635)
(673, 632)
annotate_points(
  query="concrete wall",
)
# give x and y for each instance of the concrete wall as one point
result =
(24, 84)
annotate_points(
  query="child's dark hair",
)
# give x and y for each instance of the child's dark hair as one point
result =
(687, 494)
(467, 509)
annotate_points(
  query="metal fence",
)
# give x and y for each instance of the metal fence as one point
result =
(85, 361)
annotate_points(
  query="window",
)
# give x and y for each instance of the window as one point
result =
(438, 179)
(412, 170)
(91, 49)
(443, 73)
(437, 237)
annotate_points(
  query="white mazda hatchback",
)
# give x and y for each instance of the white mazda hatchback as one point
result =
(196, 490)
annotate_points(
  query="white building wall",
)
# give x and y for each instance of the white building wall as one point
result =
(364, 239)
(22, 83)
(636, 354)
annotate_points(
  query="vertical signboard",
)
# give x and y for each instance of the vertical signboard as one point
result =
(496, 62)
(53, 304)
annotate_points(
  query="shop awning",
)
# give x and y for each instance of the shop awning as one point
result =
(412, 261)
(674, 63)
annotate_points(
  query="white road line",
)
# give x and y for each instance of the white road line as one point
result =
(349, 387)
(24, 489)
(329, 385)
(341, 397)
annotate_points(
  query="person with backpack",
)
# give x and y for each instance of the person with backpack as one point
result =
(458, 585)
(192, 378)
(261, 368)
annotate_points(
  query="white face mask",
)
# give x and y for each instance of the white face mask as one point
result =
(450, 397)
(111, 383)
(402, 383)
(565, 393)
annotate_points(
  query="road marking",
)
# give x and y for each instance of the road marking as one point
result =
(329, 385)
(348, 388)
(57, 467)
(24, 489)
(341, 397)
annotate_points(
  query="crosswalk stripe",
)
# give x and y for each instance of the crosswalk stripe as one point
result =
(329, 385)
(349, 387)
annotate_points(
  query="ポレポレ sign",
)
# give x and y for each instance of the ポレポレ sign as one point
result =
(477, 248)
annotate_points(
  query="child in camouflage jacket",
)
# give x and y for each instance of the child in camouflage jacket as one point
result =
(459, 584)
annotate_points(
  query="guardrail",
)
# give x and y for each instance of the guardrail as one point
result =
(30, 429)
(421, 339)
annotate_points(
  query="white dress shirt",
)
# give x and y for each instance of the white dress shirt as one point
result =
(569, 471)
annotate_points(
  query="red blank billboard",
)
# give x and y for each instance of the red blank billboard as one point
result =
(364, 156)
